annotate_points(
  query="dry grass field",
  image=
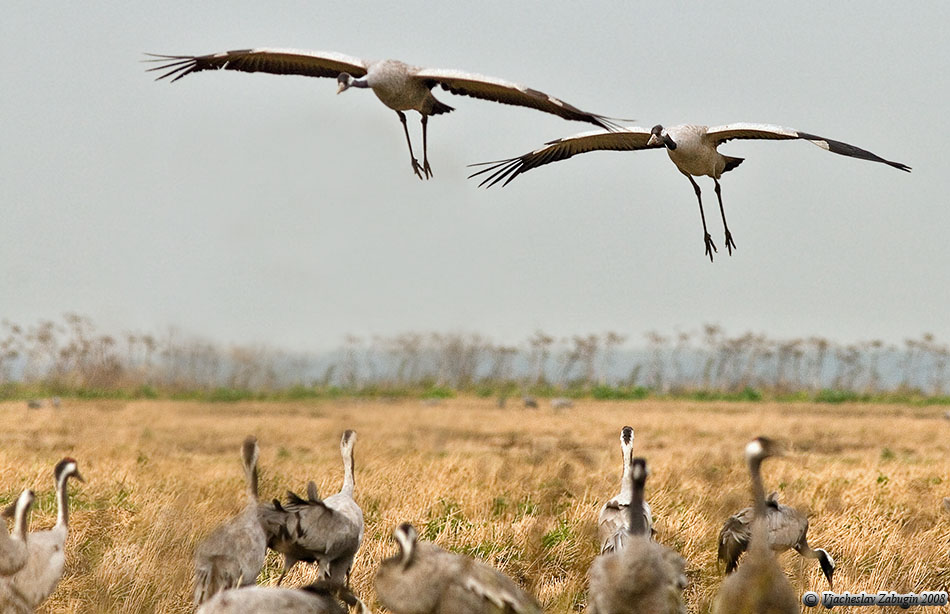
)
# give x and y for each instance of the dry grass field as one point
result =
(520, 489)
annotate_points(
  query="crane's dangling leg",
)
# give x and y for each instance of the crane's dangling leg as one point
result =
(416, 168)
(425, 148)
(710, 246)
(729, 242)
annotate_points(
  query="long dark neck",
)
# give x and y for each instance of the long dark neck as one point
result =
(636, 521)
(758, 491)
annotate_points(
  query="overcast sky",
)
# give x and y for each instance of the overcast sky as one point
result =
(261, 208)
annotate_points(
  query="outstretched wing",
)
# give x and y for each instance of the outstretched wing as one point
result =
(274, 61)
(721, 134)
(505, 92)
(626, 139)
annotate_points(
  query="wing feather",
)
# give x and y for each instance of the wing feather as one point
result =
(721, 134)
(506, 92)
(626, 139)
(274, 61)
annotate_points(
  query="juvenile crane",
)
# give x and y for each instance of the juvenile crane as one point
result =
(691, 148)
(233, 554)
(46, 550)
(787, 528)
(328, 532)
(398, 85)
(759, 585)
(614, 515)
(425, 579)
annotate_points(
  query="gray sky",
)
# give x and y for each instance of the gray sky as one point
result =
(259, 208)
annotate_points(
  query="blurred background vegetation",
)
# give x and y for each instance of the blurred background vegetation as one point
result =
(72, 358)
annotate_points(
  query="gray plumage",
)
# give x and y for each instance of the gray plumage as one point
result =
(317, 598)
(13, 549)
(787, 529)
(398, 85)
(46, 550)
(640, 576)
(425, 579)
(759, 586)
(233, 554)
(327, 532)
(14, 555)
(692, 148)
(614, 515)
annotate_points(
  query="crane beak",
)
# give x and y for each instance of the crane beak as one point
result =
(340, 87)
(654, 140)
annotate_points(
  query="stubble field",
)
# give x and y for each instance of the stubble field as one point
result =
(520, 489)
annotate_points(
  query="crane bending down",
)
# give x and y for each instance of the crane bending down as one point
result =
(691, 148)
(399, 86)
(787, 528)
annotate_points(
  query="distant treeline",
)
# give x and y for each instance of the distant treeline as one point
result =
(71, 358)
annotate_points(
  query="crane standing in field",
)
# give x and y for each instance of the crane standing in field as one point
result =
(640, 576)
(398, 85)
(759, 585)
(787, 528)
(614, 515)
(233, 554)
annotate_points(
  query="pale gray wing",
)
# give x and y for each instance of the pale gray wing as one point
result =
(721, 134)
(505, 92)
(626, 139)
(274, 61)
(786, 526)
(734, 538)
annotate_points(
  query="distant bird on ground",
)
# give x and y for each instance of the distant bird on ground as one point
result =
(787, 528)
(691, 148)
(317, 598)
(328, 532)
(641, 576)
(614, 515)
(233, 554)
(399, 86)
(46, 558)
(529, 401)
(561, 403)
(34, 404)
(425, 579)
(13, 549)
(759, 585)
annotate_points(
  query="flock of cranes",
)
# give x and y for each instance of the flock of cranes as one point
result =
(402, 87)
(633, 573)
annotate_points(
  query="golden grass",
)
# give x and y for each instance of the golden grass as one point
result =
(518, 488)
